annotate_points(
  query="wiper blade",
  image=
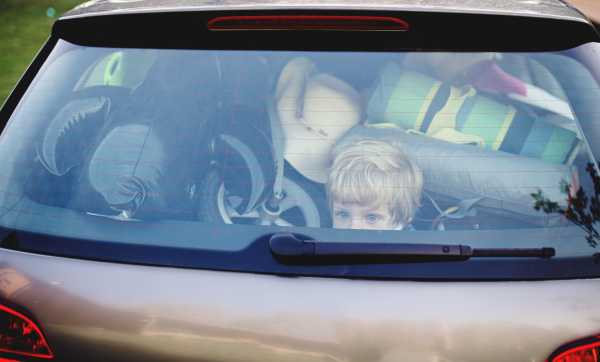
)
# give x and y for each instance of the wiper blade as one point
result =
(288, 245)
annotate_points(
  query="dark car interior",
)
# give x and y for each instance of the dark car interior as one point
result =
(191, 139)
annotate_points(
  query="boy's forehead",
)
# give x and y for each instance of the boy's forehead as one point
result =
(360, 206)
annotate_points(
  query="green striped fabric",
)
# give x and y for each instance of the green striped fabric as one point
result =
(421, 103)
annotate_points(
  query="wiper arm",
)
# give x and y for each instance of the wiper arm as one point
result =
(288, 245)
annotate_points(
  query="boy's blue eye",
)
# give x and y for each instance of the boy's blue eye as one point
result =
(372, 217)
(344, 215)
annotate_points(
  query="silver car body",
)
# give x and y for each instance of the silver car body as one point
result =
(120, 312)
(543, 8)
(98, 310)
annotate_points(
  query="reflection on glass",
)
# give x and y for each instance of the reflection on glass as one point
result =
(138, 145)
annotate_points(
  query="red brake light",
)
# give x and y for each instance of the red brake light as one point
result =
(307, 22)
(583, 351)
(19, 334)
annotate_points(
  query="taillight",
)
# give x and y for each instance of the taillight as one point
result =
(20, 335)
(587, 350)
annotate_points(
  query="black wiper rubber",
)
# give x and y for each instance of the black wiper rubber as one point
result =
(288, 245)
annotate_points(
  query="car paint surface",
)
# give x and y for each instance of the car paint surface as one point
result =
(104, 311)
(118, 312)
(522, 7)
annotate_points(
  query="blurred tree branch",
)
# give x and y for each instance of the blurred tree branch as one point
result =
(582, 210)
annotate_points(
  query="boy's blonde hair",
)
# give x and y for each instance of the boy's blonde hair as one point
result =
(378, 173)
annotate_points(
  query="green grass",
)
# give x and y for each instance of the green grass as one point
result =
(24, 27)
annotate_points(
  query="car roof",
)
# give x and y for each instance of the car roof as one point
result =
(530, 8)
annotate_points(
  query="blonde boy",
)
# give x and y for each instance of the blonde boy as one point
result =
(373, 185)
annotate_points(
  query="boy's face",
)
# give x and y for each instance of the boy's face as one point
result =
(362, 216)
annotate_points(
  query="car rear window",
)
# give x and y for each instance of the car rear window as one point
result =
(210, 149)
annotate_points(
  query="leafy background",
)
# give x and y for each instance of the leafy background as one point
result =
(24, 27)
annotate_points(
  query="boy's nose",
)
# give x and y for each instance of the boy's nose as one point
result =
(356, 224)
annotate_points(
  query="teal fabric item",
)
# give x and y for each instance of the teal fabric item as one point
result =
(418, 102)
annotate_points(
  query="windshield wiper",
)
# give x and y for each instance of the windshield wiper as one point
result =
(288, 245)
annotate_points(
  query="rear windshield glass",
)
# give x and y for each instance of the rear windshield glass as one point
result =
(202, 148)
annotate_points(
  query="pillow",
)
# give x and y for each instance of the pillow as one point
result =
(462, 114)
(71, 132)
(471, 175)
(130, 170)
